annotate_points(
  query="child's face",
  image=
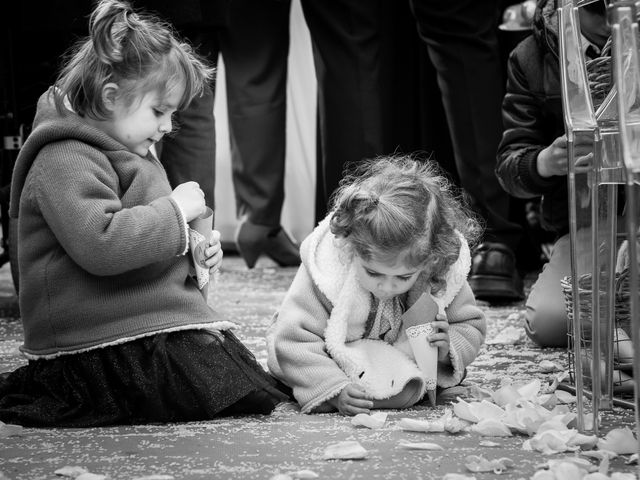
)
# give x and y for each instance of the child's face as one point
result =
(383, 280)
(145, 121)
(594, 27)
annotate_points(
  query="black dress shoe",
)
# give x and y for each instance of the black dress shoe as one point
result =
(493, 274)
(254, 240)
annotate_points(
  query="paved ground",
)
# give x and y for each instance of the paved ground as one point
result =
(286, 442)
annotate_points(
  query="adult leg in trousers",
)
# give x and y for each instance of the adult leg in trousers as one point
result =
(189, 153)
(255, 49)
(461, 39)
(348, 39)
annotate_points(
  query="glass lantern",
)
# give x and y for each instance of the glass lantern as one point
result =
(593, 183)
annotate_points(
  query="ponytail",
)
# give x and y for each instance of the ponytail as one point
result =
(136, 51)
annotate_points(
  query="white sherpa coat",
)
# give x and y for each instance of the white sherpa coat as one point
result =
(316, 346)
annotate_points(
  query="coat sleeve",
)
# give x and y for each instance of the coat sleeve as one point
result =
(530, 124)
(296, 345)
(76, 191)
(467, 330)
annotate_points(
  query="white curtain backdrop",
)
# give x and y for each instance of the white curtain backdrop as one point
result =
(300, 179)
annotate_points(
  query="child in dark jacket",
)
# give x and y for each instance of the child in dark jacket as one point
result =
(532, 156)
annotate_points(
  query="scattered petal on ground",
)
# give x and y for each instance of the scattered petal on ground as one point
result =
(420, 445)
(347, 450)
(304, 474)
(565, 397)
(595, 476)
(477, 463)
(415, 425)
(581, 463)
(71, 471)
(488, 443)
(568, 468)
(547, 366)
(154, 477)
(508, 336)
(373, 421)
(457, 476)
(10, 430)
(453, 424)
(558, 441)
(491, 427)
(623, 476)
(91, 476)
(506, 395)
(530, 390)
(619, 440)
(476, 411)
(600, 454)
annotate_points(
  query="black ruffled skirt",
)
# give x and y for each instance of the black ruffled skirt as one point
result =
(168, 377)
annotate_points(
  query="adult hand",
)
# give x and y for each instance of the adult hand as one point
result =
(190, 199)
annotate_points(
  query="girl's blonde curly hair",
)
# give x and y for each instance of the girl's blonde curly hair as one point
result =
(402, 209)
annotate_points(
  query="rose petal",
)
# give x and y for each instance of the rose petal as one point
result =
(71, 471)
(619, 440)
(477, 463)
(347, 450)
(154, 477)
(547, 366)
(427, 426)
(420, 445)
(491, 427)
(373, 421)
(305, 474)
(91, 476)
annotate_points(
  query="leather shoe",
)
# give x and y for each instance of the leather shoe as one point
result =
(254, 240)
(493, 275)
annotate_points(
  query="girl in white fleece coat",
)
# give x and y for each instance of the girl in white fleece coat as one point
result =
(395, 233)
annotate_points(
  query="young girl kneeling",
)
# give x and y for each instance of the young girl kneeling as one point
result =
(395, 233)
(116, 330)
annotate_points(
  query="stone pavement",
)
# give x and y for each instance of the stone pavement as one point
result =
(286, 442)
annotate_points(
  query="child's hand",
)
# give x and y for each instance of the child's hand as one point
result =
(352, 400)
(190, 199)
(213, 253)
(553, 160)
(440, 339)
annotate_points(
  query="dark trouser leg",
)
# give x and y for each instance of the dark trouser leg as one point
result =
(461, 38)
(346, 37)
(189, 154)
(254, 50)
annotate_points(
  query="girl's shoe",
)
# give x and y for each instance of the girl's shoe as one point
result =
(253, 240)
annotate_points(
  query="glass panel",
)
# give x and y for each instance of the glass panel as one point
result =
(577, 104)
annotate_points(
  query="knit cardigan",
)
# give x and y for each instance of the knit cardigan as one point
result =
(100, 243)
(315, 343)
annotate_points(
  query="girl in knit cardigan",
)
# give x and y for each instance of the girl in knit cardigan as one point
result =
(395, 233)
(116, 330)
